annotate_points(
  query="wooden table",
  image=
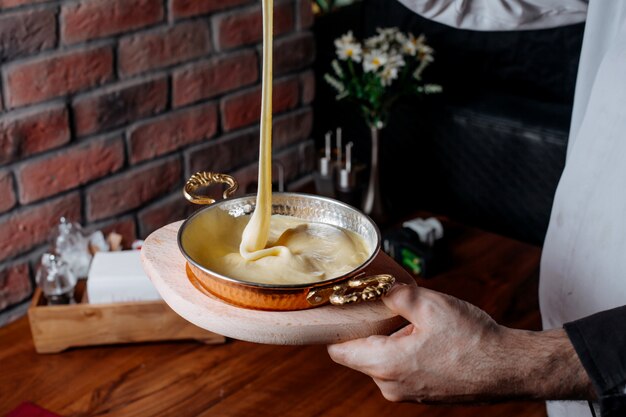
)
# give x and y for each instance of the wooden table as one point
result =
(244, 379)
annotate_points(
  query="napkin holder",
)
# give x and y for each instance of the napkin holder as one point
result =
(56, 328)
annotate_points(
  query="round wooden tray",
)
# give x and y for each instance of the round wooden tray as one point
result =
(165, 266)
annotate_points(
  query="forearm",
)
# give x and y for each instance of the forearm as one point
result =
(540, 365)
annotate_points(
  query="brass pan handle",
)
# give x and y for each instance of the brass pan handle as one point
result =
(205, 179)
(360, 288)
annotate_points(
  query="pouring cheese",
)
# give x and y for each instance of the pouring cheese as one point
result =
(277, 249)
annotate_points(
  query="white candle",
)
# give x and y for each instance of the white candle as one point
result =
(324, 166)
(344, 179)
(339, 146)
(349, 156)
(328, 146)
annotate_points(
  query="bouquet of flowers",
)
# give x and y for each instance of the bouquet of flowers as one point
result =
(377, 72)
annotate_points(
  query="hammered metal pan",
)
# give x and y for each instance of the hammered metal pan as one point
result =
(352, 287)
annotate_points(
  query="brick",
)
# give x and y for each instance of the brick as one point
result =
(31, 226)
(244, 108)
(63, 73)
(172, 131)
(225, 154)
(7, 194)
(125, 227)
(291, 128)
(24, 133)
(213, 77)
(187, 8)
(15, 285)
(6, 4)
(307, 87)
(92, 19)
(132, 189)
(305, 14)
(294, 52)
(168, 210)
(164, 47)
(119, 104)
(67, 169)
(26, 32)
(245, 26)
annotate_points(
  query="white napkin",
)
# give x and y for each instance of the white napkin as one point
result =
(119, 277)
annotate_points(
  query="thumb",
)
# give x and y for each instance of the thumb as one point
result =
(403, 299)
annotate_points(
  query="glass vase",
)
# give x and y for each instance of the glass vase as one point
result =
(372, 203)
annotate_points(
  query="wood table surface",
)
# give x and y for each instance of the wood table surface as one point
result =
(245, 379)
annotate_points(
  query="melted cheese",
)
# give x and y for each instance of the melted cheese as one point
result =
(305, 252)
(254, 239)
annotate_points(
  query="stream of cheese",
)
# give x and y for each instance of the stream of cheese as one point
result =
(254, 239)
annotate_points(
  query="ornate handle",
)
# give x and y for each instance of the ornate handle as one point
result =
(205, 179)
(357, 289)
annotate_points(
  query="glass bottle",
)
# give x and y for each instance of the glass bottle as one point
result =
(72, 246)
(56, 280)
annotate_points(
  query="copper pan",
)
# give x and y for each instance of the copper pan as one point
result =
(349, 288)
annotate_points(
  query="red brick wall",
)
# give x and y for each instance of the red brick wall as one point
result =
(107, 106)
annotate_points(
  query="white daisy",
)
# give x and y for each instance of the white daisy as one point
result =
(389, 33)
(412, 44)
(375, 42)
(346, 38)
(425, 53)
(391, 69)
(395, 60)
(373, 60)
(348, 48)
(389, 74)
(401, 38)
(351, 51)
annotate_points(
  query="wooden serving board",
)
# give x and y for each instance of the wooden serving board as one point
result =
(165, 265)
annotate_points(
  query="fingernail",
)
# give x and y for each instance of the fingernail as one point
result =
(395, 287)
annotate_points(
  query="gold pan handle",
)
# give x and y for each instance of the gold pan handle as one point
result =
(361, 288)
(205, 179)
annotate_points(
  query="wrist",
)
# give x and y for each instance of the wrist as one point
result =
(541, 365)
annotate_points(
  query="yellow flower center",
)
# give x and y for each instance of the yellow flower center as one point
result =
(349, 52)
(376, 62)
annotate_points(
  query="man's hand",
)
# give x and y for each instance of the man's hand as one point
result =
(454, 352)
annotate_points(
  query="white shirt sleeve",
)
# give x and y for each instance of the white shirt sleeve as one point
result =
(492, 15)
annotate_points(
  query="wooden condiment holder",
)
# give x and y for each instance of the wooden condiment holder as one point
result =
(58, 327)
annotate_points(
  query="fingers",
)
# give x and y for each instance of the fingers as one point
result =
(364, 355)
(403, 299)
(390, 390)
(405, 331)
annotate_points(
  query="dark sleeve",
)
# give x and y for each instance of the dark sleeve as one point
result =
(600, 341)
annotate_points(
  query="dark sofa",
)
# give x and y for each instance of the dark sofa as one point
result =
(490, 150)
